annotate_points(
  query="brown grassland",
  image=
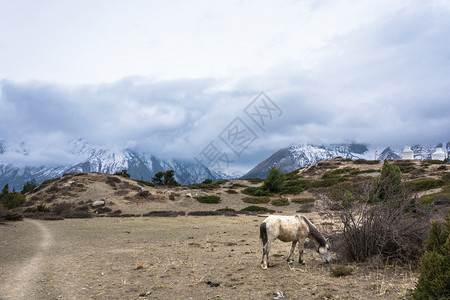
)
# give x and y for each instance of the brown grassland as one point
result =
(174, 258)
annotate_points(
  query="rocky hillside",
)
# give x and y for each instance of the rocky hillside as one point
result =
(88, 194)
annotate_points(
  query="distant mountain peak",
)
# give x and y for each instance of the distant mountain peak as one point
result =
(95, 158)
(302, 155)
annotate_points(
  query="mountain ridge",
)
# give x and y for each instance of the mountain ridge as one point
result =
(93, 158)
(303, 155)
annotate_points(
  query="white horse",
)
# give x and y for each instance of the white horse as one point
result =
(291, 229)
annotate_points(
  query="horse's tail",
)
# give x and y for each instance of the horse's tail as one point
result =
(263, 232)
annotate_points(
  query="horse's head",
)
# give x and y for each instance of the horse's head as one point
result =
(324, 252)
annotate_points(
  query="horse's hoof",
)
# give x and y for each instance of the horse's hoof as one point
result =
(302, 262)
(264, 267)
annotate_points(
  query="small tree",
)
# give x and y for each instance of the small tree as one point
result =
(123, 173)
(169, 178)
(158, 178)
(5, 190)
(29, 187)
(434, 279)
(274, 181)
(389, 181)
(165, 178)
(12, 200)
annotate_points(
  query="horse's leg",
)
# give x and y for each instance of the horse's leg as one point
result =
(289, 259)
(265, 255)
(301, 243)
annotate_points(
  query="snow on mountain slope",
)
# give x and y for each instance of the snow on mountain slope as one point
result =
(298, 156)
(94, 158)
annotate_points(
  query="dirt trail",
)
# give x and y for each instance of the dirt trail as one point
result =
(22, 286)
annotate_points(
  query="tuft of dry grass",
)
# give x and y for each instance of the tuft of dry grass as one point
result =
(341, 271)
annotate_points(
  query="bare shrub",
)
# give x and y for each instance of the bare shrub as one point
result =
(53, 189)
(164, 213)
(84, 207)
(61, 208)
(392, 228)
(340, 271)
(77, 215)
(143, 194)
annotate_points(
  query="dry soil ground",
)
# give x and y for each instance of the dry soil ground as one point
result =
(172, 258)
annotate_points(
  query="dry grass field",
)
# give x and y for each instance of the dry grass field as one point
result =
(215, 257)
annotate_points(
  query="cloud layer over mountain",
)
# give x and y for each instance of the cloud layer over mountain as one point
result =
(375, 73)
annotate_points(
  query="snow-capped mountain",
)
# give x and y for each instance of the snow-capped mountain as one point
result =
(92, 158)
(298, 156)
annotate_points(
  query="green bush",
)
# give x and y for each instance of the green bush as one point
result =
(238, 185)
(255, 180)
(146, 183)
(432, 162)
(292, 175)
(446, 178)
(404, 166)
(337, 172)
(434, 278)
(79, 174)
(205, 186)
(45, 182)
(366, 162)
(123, 173)
(294, 186)
(210, 199)
(419, 185)
(257, 191)
(12, 200)
(388, 184)
(280, 202)
(29, 186)
(326, 182)
(12, 216)
(255, 208)
(256, 200)
(274, 181)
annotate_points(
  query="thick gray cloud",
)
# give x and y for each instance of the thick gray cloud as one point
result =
(370, 73)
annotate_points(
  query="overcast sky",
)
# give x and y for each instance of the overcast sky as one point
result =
(168, 77)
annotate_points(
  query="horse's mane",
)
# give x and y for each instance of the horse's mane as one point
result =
(314, 233)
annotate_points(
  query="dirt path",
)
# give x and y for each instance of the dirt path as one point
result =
(23, 285)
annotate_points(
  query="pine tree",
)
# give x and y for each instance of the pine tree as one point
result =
(274, 181)
(158, 178)
(389, 182)
(434, 279)
(169, 178)
(5, 190)
(29, 186)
